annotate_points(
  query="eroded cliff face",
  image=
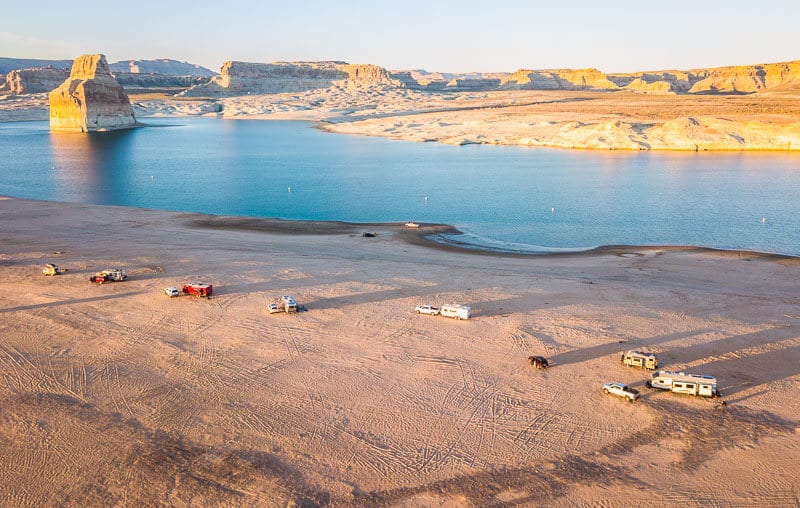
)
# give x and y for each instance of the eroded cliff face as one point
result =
(90, 99)
(241, 78)
(558, 79)
(164, 66)
(27, 81)
(748, 78)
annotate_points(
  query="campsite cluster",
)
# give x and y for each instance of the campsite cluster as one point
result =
(676, 382)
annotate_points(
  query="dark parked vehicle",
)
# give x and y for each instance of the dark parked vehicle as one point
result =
(540, 362)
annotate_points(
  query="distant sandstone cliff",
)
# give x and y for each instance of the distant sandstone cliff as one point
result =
(719, 80)
(749, 78)
(240, 78)
(37, 80)
(141, 82)
(132, 74)
(558, 79)
(14, 64)
(90, 99)
(161, 66)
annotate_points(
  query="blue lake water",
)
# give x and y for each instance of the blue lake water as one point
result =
(501, 197)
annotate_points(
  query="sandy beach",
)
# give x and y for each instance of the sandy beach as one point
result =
(115, 394)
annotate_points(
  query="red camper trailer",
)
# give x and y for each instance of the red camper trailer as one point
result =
(198, 289)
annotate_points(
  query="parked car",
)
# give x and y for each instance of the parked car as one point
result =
(172, 291)
(621, 390)
(273, 308)
(427, 309)
(540, 362)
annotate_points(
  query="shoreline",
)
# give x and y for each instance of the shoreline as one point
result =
(427, 235)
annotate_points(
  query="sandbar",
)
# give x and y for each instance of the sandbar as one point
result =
(117, 394)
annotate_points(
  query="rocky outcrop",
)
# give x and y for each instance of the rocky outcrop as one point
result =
(27, 81)
(242, 78)
(658, 87)
(366, 73)
(748, 78)
(558, 79)
(90, 99)
(161, 66)
(419, 79)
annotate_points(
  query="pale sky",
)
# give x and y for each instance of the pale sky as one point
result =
(452, 36)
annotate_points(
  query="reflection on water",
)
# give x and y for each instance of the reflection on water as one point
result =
(92, 168)
(506, 197)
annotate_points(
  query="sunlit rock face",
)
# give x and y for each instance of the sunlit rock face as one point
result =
(241, 78)
(35, 80)
(90, 100)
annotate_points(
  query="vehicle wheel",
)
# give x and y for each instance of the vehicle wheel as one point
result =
(605, 390)
(417, 312)
(630, 399)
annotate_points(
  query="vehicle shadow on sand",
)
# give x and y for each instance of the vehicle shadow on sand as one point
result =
(70, 301)
(600, 350)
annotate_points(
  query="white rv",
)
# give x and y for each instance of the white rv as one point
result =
(681, 382)
(288, 304)
(456, 311)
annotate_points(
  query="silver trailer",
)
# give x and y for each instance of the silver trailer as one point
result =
(681, 382)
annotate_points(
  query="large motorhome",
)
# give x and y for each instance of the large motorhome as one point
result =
(681, 382)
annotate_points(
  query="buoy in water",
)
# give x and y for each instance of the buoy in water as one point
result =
(763, 220)
(290, 189)
(553, 210)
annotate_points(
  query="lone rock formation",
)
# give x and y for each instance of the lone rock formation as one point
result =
(90, 99)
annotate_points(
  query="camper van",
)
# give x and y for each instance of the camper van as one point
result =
(681, 382)
(633, 358)
(456, 311)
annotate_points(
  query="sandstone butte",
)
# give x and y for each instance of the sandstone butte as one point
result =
(239, 78)
(90, 100)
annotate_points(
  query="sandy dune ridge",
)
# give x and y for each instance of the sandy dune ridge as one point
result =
(116, 394)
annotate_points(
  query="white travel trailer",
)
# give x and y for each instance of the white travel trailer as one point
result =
(681, 382)
(456, 311)
(634, 358)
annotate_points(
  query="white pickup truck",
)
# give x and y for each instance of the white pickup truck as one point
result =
(621, 390)
(427, 309)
